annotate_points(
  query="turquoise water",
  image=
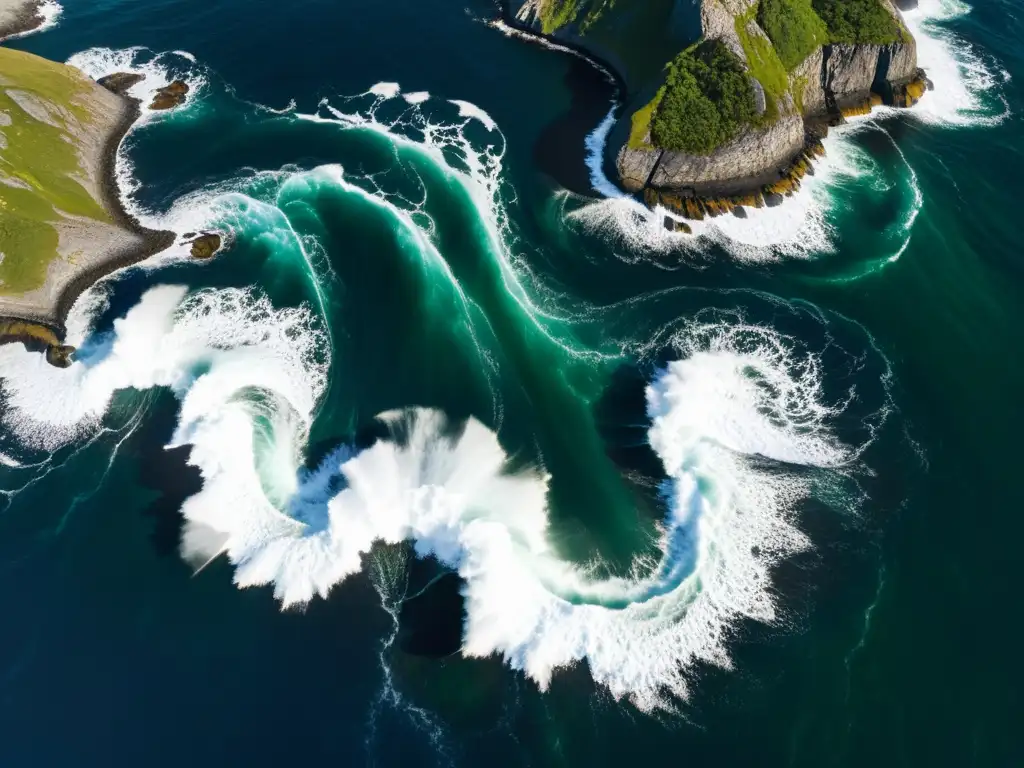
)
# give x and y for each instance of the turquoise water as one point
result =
(452, 460)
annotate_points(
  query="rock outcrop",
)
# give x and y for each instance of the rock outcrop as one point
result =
(61, 130)
(120, 82)
(170, 96)
(206, 245)
(834, 82)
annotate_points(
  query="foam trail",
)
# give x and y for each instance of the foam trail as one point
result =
(596, 142)
(472, 111)
(7, 461)
(476, 168)
(248, 377)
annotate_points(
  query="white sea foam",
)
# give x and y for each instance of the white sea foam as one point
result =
(550, 44)
(416, 97)
(472, 111)
(8, 461)
(157, 70)
(967, 86)
(249, 376)
(386, 90)
(50, 12)
(595, 143)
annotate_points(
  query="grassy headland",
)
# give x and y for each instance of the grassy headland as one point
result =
(61, 222)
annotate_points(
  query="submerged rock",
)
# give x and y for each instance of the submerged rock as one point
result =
(59, 355)
(672, 225)
(120, 82)
(170, 96)
(862, 106)
(909, 94)
(205, 246)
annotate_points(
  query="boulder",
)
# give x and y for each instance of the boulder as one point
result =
(120, 82)
(59, 355)
(170, 95)
(636, 165)
(205, 246)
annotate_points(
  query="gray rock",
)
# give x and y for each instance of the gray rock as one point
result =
(635, 166)
(743, 160)
(809, 73)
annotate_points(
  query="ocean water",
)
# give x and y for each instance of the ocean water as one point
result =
(457, 457)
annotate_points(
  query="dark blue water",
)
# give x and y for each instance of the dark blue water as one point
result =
(834, 487)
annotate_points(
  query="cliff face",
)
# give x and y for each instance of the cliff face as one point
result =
(834, 79)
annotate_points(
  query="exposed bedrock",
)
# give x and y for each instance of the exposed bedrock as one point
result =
(746, 162)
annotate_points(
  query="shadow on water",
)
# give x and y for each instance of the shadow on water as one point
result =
(560, 151)
(430, 622)
(168, 473)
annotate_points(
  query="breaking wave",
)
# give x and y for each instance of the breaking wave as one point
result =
(738, 420)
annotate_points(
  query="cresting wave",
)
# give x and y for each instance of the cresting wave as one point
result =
(737, 421)
(967, 93)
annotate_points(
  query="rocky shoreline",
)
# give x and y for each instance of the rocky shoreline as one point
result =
(17, 17)
(38, 319)
(764, 164)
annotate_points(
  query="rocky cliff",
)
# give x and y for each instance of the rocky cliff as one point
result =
(836, 79)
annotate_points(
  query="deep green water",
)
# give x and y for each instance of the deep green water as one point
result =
(821, 533)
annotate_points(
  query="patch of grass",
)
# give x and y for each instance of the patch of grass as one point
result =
(859, 21)
(798, 90)
(762, 58)
(794, 28)
(555, 14)
(40, 163)
(640, 123)
(707, 100)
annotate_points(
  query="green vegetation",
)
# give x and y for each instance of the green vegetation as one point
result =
(38, 165)
(555, 14)
(764, 64)
(859, 21)
(794, 28)
(707, 100)
(640, 123)
(799, 88)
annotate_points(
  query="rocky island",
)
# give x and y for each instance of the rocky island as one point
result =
(726, 101)
(62, 225)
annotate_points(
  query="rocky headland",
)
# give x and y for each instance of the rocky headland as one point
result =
(62, 224)
(20, 16)
(725, 102)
